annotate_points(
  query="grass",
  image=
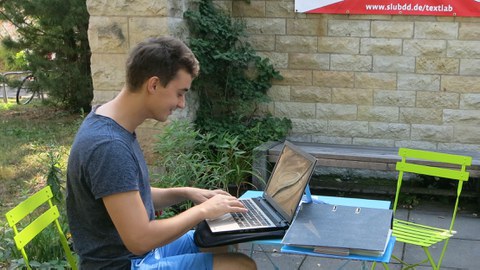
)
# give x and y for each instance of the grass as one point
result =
(29, 136)
(28, 133)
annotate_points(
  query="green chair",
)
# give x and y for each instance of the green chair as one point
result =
(444, 166)
(29, 232)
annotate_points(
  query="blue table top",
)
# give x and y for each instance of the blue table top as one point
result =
(381, 204)
(334, 200)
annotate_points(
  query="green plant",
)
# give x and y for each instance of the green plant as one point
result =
(53, 159)
(13, 60)
(233, 81)
(190, 158)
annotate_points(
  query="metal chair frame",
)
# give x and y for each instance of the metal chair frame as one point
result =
(50, 216)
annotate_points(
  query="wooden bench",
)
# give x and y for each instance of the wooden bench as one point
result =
(345, 156)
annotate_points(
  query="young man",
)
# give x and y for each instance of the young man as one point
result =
(110, 204)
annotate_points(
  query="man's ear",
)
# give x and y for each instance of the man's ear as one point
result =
(152, 84)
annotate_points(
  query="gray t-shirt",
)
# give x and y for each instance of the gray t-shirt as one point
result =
(105, 159)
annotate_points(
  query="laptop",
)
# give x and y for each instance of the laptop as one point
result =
(277, 206)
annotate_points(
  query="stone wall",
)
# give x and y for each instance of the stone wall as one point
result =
(371, 80)
(350, 79)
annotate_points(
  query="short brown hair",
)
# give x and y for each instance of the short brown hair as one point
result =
(162, 57)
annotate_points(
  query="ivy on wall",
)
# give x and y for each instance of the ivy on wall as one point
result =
(233, 80)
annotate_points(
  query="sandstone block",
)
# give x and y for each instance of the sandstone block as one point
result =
(394, 131)
(375, 80)
(378, 114)
(328, 111)
(279, 9)
(108, 72)
(129, 8)
(309, 126)
(308, 61)
(425, 47)
(470, 101)
(264, 26)
(461, 117)
(295, 110)
(392, 29)
(467, 134)
(142, 28)
(341, 45)
(102, 96)
(352, 96)
(418, 82)
(437, 65)
(309, 94)
(295, 77)
(401, 64)
(394, 98)
(303, 44)
(333, 79)
(262, 42)
(349, 28)
(250, 9)
(427, 99)
(279, 93)
(306, 27)
(436, 30)
(421, 115)
(469, 31)
(470, 67)
(463, 49)
(351, 62)
(432, 133)
(381, 46)
(108, 34)
(461, 84)
(348, 128)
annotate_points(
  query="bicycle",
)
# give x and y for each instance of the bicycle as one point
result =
(27, 90)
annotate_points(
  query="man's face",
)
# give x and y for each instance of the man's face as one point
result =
(167, 99)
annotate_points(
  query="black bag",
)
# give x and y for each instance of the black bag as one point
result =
(204, 237)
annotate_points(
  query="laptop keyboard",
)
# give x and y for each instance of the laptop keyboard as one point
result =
(252, 218)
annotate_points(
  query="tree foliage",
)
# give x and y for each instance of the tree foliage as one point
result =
(54, 28)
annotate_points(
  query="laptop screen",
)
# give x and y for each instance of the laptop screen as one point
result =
(289, 178)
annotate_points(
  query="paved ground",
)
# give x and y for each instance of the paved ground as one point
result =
(10, 92)
(462, 253)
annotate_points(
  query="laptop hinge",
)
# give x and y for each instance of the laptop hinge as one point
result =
(276, 218)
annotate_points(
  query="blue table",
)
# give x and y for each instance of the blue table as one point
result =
(330, 200)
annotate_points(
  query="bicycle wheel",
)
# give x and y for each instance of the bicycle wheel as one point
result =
(26, 90)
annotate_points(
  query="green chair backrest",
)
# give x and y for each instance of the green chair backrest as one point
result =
(442, 165)
(28, 233)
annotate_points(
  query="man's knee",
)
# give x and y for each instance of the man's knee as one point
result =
(232, 261)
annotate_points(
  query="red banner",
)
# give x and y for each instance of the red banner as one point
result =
(465, 8)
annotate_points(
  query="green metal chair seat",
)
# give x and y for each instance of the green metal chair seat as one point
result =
(418, 234)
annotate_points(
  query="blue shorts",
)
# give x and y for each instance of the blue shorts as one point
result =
(180, 254)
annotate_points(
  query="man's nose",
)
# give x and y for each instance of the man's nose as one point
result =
(181, 102)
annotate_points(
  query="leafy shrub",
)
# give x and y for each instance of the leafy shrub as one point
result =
(190, 158)
(233, 81)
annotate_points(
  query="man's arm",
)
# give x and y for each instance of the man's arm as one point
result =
(141, 235)
(164, 197)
